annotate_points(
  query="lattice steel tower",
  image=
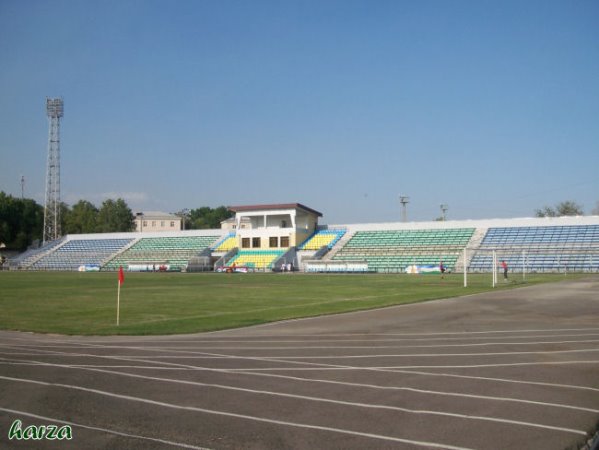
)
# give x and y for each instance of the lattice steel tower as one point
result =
(54, 110)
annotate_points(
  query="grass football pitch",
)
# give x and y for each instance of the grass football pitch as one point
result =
(169, 303)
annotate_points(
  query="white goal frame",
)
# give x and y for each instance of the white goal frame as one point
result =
(563, 254)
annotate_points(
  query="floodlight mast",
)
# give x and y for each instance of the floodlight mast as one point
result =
(404, 200)
(444, 209)
(52, 228)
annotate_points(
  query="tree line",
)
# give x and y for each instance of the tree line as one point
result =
(22, 220)
(567, 208)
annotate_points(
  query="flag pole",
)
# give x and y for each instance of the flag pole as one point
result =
(118, 303)
(118, 295)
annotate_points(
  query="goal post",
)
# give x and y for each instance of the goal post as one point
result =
(493, 265)
(521, 262)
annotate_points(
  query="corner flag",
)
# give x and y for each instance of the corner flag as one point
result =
(118, 295)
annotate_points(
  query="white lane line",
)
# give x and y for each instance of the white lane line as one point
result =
(325, 400)
(241, 416)
(321, 366)
(331, 367)
(391, 355)
(399, 388)
(103, 430)
(444, 333)
(339, 367)
(428, 355)
(301, 357)
(206, 338)
(264, 373)
(336, 347)
(383, 368)
(316, 338)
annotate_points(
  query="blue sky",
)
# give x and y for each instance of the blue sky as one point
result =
(490, 107)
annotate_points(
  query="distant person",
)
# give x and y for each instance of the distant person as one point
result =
(442, 269)
(504, 267)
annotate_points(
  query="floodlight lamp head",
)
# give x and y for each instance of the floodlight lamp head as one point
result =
(54, 107)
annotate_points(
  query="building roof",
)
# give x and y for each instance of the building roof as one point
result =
(233, 220)
(149, 215)
(248, 208)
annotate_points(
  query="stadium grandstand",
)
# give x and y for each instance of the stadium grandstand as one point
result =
(278, 237)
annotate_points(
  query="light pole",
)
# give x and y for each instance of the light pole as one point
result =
(404, 200)
(444, 209)
(140, 217)
(183, 214)
(52, 222)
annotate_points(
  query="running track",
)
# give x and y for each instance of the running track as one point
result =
(504, 370)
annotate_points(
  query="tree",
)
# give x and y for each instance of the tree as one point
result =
(207, 218)
(21, 221)
(567, 208)
(82, 218)
(596, 210)
(115, 216)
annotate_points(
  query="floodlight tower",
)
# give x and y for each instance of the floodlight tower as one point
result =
(444, 209)
(404, 210)
(54, 111)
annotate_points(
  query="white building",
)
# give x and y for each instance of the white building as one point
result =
(152, 221)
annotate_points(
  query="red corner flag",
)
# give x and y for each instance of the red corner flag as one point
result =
(118, 295)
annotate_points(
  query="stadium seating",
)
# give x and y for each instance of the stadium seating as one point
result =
(540, 249)
(229, 242)
(532, 245)
(394, 250)
(174, 252)
(321, 238)
(26, 259)
(80, 252)
(257, 259)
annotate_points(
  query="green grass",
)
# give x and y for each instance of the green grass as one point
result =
(168, 303)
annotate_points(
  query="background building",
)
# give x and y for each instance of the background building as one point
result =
(151, 221)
